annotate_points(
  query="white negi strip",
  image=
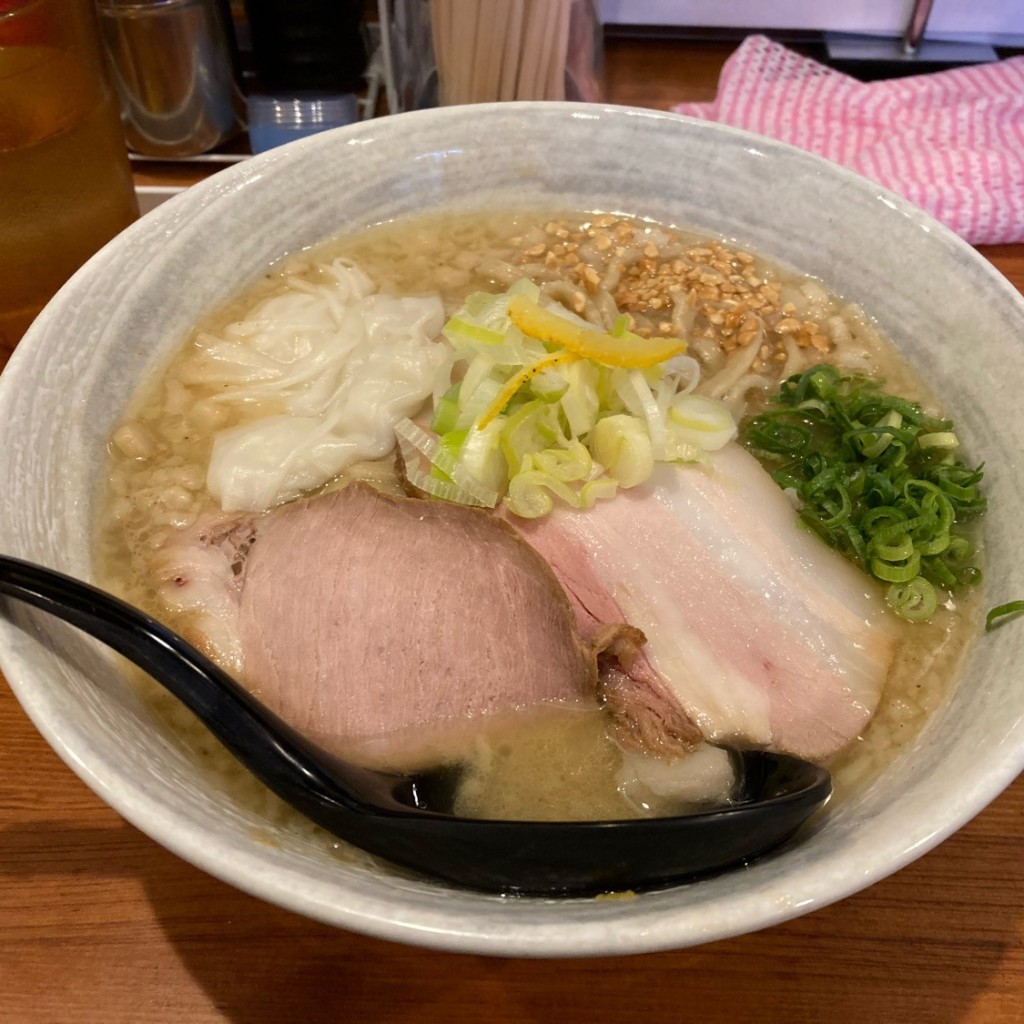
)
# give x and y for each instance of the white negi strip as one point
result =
(335, 366)
(464, 487)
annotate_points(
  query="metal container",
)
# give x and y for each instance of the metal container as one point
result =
(173, 63)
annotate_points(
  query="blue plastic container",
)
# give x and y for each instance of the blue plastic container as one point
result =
(275, 120)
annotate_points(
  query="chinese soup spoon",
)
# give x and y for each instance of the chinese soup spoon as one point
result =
(405, 819)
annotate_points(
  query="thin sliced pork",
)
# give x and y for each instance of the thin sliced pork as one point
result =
(756, 631)
(379, 626)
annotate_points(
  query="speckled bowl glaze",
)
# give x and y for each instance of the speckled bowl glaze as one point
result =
(954, 317)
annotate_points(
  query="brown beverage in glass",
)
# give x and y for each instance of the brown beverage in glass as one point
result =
(65, 181)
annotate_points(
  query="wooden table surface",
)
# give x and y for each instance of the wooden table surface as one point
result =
(99, 925)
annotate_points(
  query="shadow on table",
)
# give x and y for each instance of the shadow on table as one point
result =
(847, 962)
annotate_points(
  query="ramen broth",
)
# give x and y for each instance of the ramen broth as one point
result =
(750, 323)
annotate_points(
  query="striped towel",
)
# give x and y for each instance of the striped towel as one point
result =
(951, 142)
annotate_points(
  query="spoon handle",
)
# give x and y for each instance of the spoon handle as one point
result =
(263, 742)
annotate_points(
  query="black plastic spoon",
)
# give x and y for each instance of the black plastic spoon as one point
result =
(403, 818)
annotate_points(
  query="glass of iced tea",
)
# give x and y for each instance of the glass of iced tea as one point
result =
(65, 181)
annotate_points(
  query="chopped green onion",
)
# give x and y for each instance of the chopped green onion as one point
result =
(530, 493)
(1003, 613)
(893, 552)
(569, 465)
(940, 439)
(451, 444)
(532, 427)
(508, 390)
(876, 477)
(873, 441)
(620, 326)
(580, 402)
(915, 600)
(896, 572)
(549, 385)
(481, 458)
(415, 442)
(622, 445)
(549, 408)
(697, 420)
(458, 329)
(446, 411)
(524, 286)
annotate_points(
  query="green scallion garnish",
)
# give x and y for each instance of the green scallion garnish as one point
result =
(1003, 613)
(877, 478)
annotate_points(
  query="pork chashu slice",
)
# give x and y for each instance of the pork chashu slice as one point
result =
(377, 625)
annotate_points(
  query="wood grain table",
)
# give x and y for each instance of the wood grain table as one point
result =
(99, 925)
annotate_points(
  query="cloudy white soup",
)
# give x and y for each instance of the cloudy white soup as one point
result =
(572, 502)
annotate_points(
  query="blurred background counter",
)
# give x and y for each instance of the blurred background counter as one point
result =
(643, 67)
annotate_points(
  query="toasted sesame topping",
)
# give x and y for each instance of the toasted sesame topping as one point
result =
(653, 274)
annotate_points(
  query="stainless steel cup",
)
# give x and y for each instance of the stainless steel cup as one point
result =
(173, 64)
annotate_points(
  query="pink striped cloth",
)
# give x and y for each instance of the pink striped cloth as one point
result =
(951, 142)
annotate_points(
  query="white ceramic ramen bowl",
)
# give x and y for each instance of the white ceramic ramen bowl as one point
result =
(955, 319)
